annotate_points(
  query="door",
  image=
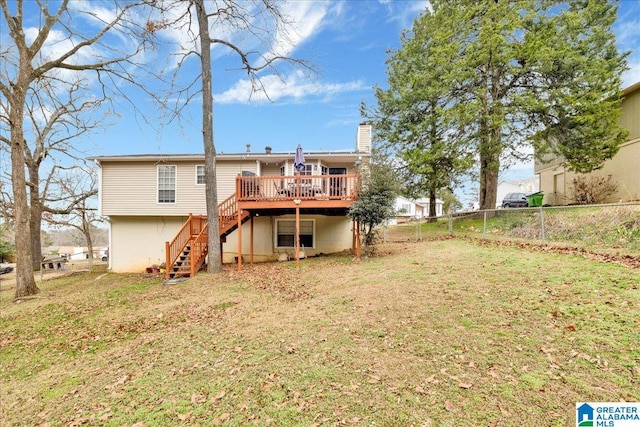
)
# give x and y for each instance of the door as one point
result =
(337, 185)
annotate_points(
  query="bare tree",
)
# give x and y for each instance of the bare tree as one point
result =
(260, 20)
(58, 116)
(81, 186)
(74, 47)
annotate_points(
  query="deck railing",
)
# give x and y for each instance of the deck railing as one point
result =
(193, 226)
(303, 187)
(199, 250)
(227, 212)
(256, 188)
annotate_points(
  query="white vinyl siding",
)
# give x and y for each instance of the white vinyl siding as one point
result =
(226, 174)
(131, 188)
(166, 184)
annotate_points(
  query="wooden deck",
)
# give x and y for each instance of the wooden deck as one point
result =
(261, 195)
(308, 191)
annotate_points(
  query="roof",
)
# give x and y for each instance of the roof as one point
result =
(277, 157)
(518, 181)
(634, 87)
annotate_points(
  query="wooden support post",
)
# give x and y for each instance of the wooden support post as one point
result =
(358, 243)
(251, 242)
(353, 237)
(239, 239)
(297, 236)
(167, 264)
(192, 264)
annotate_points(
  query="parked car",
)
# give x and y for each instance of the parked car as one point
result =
(515, 200)
(4, 269)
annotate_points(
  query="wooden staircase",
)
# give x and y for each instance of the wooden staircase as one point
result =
(187, 252)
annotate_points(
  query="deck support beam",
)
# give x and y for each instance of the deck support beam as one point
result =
(239, 239)
(297, 238)
(251, 242)
(358, 241)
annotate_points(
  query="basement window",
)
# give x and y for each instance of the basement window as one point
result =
(286, 232)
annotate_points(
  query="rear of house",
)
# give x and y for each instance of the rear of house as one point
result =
(148, 198)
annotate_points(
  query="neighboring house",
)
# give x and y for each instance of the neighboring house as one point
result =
(405, 210)
(527, 186)
(78, 253)
(624, 167)
(409, 210)
(156, 207)
(425, 203)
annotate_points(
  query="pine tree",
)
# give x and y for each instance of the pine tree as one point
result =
(495, 78)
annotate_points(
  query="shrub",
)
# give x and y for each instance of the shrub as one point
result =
(592, 190)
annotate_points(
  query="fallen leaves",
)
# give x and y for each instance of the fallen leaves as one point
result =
(449, 406)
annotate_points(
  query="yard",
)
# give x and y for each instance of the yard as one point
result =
(443, 332)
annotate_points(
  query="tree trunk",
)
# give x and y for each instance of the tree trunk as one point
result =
(214, 263)
(35, 217)
(432, 206)
(488, 184)
(491, 145)
(25, 282)
(87, 235)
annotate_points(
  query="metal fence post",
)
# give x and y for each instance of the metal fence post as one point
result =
(484, 225)
(542, 225)
(384, 231)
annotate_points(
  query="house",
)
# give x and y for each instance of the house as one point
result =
(76, 253)
(527, 186)
(405, 210)
(425, 203)
(409, 209)
(624, 167)
(156, 206)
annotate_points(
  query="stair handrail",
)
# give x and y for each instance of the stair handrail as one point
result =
(174, 249)
(227, 212)
(199, 250)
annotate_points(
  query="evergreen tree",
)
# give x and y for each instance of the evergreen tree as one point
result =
(497, 77)
(415, 118)
(579, 94)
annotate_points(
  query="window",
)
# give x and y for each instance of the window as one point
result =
(308, 170)
(200, 174)
(166, 184)
(286, 232)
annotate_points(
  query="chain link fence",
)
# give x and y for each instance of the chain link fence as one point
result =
(607, 227)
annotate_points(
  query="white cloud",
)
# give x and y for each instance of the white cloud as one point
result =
(295, 87)
(631, 76)
(307, 18)
(404, 13)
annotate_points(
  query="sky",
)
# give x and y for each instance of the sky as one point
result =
(348, 42)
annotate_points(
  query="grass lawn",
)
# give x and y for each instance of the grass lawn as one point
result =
(436, 333)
